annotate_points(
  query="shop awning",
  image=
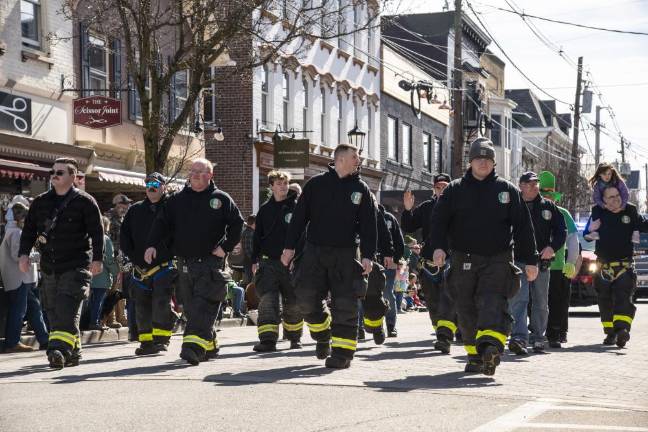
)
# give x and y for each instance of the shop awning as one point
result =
(113, 175)
(22, 170)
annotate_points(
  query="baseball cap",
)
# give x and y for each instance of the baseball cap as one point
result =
(528, 176)
(441, 177)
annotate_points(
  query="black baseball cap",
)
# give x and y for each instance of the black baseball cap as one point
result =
(156, 176)
(441, 177)
(529, 176)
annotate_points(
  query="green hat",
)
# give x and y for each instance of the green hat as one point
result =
(548, 185)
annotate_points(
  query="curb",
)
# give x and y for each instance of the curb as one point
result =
(121, 334)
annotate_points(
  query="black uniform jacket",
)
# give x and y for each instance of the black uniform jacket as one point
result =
(615, 233)
(395, 231)
(77, 237)
(331, 207)
(482, 217)
(197, 222)
(134, 233)
(419, 218)
(272, 222)
(548, 224)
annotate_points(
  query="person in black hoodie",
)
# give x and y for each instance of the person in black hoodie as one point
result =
(476, 220)
(272, 278)
(203, 225)
(66, 223)
(152, 283)
(335, 205)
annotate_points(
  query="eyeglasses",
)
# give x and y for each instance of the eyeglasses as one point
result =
(58, 173)
(153, 184)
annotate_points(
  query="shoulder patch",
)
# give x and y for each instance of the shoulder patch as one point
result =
(356, 198)
(625, 219)
(546, 214)
(504, 197)
(288, 218)
(389, 224)
(215, 203)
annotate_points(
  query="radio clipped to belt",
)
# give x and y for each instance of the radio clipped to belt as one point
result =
(140, 276)
(613, 270)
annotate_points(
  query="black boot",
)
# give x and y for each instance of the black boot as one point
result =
(553, 343)
(622, 336)
(517, 347)
(211, 354)
(295, 344)
(610, 339)
(147, 348)
(391, 331)
(474, 365)
(190, 355)
(442, 344)
(265, 346)
(379, 336)
(162, 346)
(361, 334)
(337, 363)
(491, 359)
(458, 338)
(323, 350)
(563, 338)
(56, 359)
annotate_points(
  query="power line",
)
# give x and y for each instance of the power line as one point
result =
(525, 15)
(509, 58)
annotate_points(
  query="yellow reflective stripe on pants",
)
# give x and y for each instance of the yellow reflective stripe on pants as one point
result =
(66, 337)
(448, 324)
(316, 328)
(274, 328)
(624, 318)
(203, 343)
(501, 337)
(349, 344)
(293, 327)
(470, 349)
(373, 323)
(145, 337)
(607, 324)
(161, 332)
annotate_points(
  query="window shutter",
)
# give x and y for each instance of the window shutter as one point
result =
(132, 109)
(172, 98)
(85, 64)
(116, 68)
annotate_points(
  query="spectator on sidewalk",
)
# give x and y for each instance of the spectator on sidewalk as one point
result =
(102, 282)
(247, 243)
(400, 285)
(235, 294)
(20, 287)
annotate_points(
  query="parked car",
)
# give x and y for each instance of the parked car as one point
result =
(641, 267)
(582, 288)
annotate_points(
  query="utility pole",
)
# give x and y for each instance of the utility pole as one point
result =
(457, 123)
(622, 150)
(597, 130)
(575, 160)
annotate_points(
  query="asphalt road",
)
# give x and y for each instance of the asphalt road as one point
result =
(402, 385)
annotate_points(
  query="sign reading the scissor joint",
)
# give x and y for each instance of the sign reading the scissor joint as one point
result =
(15, 113)
(97, 112)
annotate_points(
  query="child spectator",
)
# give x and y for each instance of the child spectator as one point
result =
(413, 302)
(400, 285)
(606, 175)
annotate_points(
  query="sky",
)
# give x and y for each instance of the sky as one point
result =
(617, 63)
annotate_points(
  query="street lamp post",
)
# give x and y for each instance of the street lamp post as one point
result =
(356, 138)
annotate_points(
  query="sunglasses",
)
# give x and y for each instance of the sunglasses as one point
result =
(58, 173)
(153, 184)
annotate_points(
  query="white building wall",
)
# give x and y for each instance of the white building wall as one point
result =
(36, 73)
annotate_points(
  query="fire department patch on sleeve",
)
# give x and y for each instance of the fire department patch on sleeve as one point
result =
(625, 219)
(504, 197)
(546, 214)
(215, 203)
(389, 224)
(356, 198)
(288, 217)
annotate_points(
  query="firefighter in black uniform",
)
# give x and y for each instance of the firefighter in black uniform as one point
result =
(203, 224)
(65, 222)
(152, 283)
(615, 284)
(374, 306)
(439, 303)
(335, 205)
(475, 220)
(272, 279)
